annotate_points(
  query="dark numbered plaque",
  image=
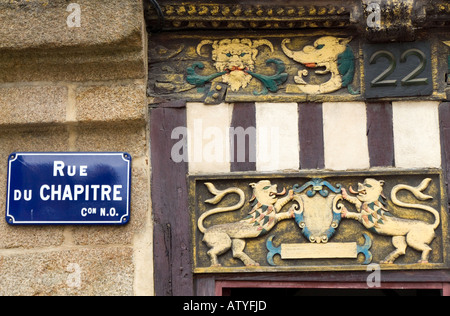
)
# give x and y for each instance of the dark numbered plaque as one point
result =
(398, 70)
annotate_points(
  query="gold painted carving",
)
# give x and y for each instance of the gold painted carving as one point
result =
(400, 18)
(244, 16)
(374, 215)
(264, 215)
(330, 52)
(234, 58)
(235, 62)
(320, 224)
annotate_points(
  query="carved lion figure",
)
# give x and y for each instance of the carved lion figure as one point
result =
(330, 52)
(235, 57)
(374, 215)
(264, 215)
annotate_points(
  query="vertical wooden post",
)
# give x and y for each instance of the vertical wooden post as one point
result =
(243, 120)
(172, 245)
(445, 289)
(444, 118)
(310, 129)
(380, 134)
(205, 285)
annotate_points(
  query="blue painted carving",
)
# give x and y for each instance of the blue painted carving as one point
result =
(364, 249)
(198, 80)
(317, 186)
(270, 83)
(272, 250)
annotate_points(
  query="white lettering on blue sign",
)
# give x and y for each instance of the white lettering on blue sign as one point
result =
(75, 192)
(58, 170)
(91, 192)
(68, 188)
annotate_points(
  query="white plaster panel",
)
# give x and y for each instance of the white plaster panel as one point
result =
(416, 134)
(208, 137)
(345, 135)
(278, 145)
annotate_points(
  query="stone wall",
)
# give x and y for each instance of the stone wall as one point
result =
(68, 87)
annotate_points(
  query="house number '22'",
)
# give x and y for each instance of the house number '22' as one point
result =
(398, 69)
(410, 79)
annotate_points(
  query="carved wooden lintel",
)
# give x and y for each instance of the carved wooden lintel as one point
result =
(325, 66)
(399, 19)
(322, 221)
(273, 67)
(248, 14)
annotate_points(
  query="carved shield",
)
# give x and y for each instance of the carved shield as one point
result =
(319, 211)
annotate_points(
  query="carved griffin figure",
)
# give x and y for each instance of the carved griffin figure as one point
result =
(332, 53)
(374, 215)
(264, 215)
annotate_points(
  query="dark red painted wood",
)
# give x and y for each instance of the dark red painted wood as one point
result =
(444, 117)
(243, 123)
(205, 285)
(380, 134)
(222, 287)
(311, 136)
(172, 245)
(353, 276)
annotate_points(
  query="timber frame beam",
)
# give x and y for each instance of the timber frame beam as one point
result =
(399, 19)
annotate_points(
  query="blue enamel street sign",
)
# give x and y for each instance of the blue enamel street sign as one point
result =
(68, 188)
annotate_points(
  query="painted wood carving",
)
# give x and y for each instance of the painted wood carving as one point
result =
(292, 67)
(374, 215)
(329, 55)
(263, 216)
(319, 222)
(251, 68)
(234, 60)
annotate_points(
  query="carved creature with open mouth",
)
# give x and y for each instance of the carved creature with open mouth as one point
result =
(266, 205)
(372, 212)
(234, 60)
(333, 54)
